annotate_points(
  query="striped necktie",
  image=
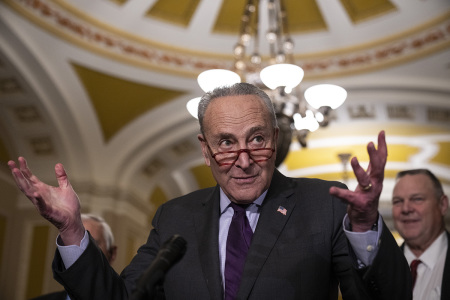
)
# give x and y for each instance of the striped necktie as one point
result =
(238, 242)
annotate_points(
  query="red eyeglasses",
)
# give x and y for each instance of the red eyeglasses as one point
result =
(228, 158)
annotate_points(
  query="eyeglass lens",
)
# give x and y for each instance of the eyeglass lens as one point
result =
(257, 155)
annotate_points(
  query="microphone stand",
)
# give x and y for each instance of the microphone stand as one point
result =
(171, 251)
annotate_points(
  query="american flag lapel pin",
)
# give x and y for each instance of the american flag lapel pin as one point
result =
(282, 210)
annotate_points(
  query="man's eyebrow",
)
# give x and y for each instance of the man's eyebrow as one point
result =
(257, 128)
(227, 135)
(419, 195)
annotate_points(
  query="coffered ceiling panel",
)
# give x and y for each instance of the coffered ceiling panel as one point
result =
(118, 102)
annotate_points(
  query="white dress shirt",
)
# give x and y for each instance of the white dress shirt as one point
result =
(431, 270)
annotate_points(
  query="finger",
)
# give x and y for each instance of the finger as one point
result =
(24, 168)
(377, 161)
(361, 176)
(381, 152)
(61, 176)
(24, 185)
(20, 180)
(382, 146)
(344, 194)
(32, 180)
(12, 165)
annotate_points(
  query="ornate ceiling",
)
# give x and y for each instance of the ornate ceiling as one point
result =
(101, 86)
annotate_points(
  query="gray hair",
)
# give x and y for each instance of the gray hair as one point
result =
(107, 232)
(436, 183)
(237, 89)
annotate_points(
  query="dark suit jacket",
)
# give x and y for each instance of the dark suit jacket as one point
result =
(445, 288)
(301, 255)
(53, 296)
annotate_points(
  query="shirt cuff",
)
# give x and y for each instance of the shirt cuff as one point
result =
(69, 254)
(364, 244)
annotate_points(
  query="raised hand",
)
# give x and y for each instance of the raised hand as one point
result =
(363, 202)
(59, 205)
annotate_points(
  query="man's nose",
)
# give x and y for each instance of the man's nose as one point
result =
(243, 160)
(407, 206)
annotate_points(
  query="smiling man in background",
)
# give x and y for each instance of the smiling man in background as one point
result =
(419, 206)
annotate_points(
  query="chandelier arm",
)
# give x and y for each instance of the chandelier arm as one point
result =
(280, 32)
(256, 30)
(288, 53)
(297, 115)
(272, 34)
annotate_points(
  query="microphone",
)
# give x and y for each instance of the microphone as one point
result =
(171, 251)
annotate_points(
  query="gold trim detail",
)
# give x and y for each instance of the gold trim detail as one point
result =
(82, 30)
(174, 11)
(361, 10)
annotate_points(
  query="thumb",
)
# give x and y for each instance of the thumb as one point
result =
(61, 176)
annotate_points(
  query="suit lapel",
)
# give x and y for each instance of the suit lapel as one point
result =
(445, 289)
(270, 225)
(207, 230)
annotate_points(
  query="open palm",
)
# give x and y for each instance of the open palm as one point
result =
(59, 205)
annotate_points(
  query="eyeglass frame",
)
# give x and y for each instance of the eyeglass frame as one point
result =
(238, 152)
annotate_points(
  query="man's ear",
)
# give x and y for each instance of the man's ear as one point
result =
(204, 146)
(112, 254)
(443, 203)
(277, 130)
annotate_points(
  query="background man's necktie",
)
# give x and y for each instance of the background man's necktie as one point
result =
(413, 267)
(238, 241)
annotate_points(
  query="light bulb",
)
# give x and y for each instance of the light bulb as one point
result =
(325, 95)
(192, 106)
(210, 79)
(286, 75)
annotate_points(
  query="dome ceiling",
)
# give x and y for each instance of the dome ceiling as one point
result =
(102, 86)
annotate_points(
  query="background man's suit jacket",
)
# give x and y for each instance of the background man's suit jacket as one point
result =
(445, 288)
(300, 255)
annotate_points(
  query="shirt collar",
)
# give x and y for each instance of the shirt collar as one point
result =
(430, 256)
(225, 202)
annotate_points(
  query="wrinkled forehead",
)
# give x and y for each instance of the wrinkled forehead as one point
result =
(240, 110)
(413, 184)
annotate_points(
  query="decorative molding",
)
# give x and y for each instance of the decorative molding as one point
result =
(153, 167)
(72, 25)
(42, 145)
(174, 11)
(361, 111)
(420, 42)
(439, 114)
(27, 114)
(114, 43)
(360, 10)
(401, 112)
(9, 86)
(183, 148)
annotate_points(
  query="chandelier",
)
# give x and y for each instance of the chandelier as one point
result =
(276, 74)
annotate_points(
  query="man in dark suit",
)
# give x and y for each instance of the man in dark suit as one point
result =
(419, 206)
(101, 233)
(299, 248)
